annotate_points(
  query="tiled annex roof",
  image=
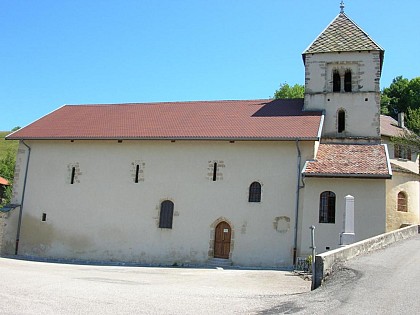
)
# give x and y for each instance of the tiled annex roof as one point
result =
(389, 127)
(342, 34)
(247, 119)
(398, 168)
(347, 160)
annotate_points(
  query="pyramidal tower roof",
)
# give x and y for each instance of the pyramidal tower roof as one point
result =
(342, 34)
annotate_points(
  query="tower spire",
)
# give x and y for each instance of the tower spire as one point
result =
(342, 6)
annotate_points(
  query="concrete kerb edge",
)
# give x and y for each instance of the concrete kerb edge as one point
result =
(325, 262)
(108, 263)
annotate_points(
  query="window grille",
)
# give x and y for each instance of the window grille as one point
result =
(327, 207)
(255, 192)
(402, 202)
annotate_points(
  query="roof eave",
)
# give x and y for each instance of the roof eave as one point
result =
(173, 138)
(336, 175)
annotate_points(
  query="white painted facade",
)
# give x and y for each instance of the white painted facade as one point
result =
(369, 215)
(106, 216)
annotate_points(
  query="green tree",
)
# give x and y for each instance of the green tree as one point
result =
(287, 91)
(413, 120)
(401, 95)
(16, 128)
(7, 170)
(412, 91)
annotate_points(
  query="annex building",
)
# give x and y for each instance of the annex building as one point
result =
(187, 182)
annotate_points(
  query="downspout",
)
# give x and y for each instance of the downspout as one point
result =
(299, 158)
(23, 197)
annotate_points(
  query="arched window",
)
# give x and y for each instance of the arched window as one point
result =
(347, 81)
(327, 207)
(402, 202)
(336, 81)
(341, 120)
(255, 192)
(166, 214)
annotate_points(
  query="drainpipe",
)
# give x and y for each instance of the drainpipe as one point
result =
(23, 197)
(299, 158)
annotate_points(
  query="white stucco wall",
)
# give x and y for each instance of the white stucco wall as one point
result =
(106, 216)
(369, 211)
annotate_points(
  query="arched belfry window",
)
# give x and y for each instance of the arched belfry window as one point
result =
(341, 120)
(327, 207)
(336, 81)
(402, 202)
(347, 81)
(166, 214)
(255, 192)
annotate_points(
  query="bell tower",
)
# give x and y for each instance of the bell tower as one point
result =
(342, 74)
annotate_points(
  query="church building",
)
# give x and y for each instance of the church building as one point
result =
(239, 181)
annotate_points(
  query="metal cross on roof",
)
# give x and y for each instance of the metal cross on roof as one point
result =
(342, 6)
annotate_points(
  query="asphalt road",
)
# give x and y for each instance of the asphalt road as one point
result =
(47, 288)
(383, 282)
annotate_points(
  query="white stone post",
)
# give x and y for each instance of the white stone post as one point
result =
(347, 237)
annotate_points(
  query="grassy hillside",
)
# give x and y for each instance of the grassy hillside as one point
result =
(6, 145)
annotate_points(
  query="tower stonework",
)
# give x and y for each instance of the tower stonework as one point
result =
(342, 75)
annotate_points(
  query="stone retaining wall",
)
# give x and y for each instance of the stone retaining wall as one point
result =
(325, 262)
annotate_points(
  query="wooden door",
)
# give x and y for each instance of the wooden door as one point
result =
(222, 239)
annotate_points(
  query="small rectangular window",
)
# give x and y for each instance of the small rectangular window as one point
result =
(341, 121)
(44, 217)
(136, 180)
(214, 171)
(73, 173)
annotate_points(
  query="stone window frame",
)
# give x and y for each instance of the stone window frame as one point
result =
(402, 201)
(73, 171)
(340, 68)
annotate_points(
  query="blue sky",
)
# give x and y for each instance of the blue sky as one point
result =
(56, 52)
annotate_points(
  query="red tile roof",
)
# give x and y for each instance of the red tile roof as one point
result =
(346, 160)
(4, 181)
(247, 119)
(389, 127)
